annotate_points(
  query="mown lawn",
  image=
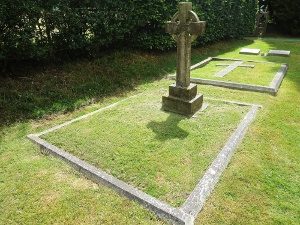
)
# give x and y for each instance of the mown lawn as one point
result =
(161, 153)
(260, 186)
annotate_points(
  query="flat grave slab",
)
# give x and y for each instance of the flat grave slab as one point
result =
(279, 53)
(250, 51)
(167, 162)
(251, 75)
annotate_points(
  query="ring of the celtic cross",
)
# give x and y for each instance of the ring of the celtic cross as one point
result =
(193, 18)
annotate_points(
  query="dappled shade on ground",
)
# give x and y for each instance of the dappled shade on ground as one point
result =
(162, 129)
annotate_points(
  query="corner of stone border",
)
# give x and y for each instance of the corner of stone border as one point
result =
(31, 136)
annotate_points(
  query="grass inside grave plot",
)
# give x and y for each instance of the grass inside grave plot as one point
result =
(261, 74)
(161, 153)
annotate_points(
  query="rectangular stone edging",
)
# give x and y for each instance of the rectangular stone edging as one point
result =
(271, 89)
(232, 85)
(276, 82)
(232, 59)
(202, 63)
(195, 202)
(162, 210)
(99, 176)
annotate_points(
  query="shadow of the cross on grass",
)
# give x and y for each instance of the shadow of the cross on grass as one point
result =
(168, 129)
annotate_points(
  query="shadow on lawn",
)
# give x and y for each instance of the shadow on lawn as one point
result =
(168, 129)
(72, 85)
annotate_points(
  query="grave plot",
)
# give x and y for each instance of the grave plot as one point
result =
(167, 152)
(168, 162)
(247, 75)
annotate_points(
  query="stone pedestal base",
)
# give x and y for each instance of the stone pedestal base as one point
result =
(184, 101)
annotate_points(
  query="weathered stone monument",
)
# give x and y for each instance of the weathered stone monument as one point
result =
(250, 51)
(279, 53)
(261, 22)
(184, 27)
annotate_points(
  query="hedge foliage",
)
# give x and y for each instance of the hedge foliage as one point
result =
(286, 15)
(39, 29)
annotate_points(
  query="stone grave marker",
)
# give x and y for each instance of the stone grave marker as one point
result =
(184, 27)
(261, 22)
(279, 53)
(250, 51)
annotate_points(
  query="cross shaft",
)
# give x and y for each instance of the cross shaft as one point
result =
(184, 27)
(183, 47)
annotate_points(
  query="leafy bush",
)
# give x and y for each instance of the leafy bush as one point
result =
(286, 15)
(37, 29)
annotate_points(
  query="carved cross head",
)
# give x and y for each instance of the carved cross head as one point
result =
(185, 20)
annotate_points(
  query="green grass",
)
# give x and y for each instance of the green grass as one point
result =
(260, 185)
(261, 74)
(35, 189)
(161, 153)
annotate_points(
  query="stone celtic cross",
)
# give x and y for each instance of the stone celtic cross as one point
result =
(184, 27)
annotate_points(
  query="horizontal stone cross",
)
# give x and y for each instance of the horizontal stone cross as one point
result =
(231, 67)
(243, 65)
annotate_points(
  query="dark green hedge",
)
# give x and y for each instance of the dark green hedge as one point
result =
(39, 29)
(286, 15)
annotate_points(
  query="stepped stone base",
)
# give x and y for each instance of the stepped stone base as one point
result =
(183, 101)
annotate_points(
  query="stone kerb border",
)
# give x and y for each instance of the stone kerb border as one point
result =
(185, 214)
(271, 89)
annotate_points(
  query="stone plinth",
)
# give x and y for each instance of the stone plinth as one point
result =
(184, 27)
(183, 101)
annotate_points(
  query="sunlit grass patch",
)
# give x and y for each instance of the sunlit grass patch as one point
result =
(163, 154)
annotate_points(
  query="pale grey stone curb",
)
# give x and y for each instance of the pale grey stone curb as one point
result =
(197, 198)
(162, 209)
(271, 89)
(276, 82)
(231, 59)
(202, 63)
(233, 85)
